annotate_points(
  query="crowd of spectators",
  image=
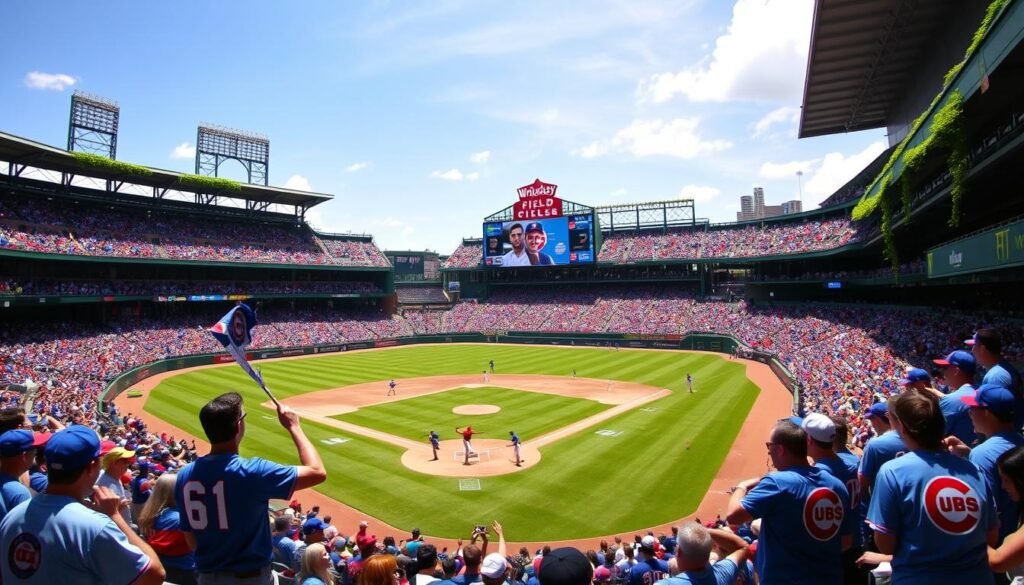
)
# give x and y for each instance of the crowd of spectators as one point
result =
(60, 227)
(16, 287)
(772, 239)
(468, 255)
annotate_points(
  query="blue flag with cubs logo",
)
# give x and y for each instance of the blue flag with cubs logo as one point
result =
(234, 332)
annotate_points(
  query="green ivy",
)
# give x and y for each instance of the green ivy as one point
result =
(211, 183)
(101, 162)
(869, 204)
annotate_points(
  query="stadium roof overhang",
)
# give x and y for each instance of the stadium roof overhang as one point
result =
(22, 151)
(862, 54)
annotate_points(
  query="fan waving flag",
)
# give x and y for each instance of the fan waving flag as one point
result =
(234, 332)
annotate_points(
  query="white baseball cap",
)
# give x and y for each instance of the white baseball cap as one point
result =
(819, 427)
(494, 566)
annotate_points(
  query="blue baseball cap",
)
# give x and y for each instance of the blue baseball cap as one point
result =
(878, 409)
(16, 442)
(72, 448)
(915, 375)
(991, 397)
(959, 359)
(534, 227)
(312, 525)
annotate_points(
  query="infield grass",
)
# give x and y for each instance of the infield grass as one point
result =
(655, 471)
(530, 414)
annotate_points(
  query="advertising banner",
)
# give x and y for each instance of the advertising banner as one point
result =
(537, 201)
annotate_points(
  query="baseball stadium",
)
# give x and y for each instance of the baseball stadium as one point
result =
(581, 375)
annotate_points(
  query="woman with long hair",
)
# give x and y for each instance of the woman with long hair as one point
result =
(380, 570)
(931, 510)
(160, 525)
(316, 566)
(1009, 557)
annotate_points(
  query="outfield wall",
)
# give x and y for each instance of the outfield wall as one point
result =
(691, 341)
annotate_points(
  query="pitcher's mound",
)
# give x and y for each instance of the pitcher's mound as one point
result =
(476, 409)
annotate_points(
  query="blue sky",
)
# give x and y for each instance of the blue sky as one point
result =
(421, 118)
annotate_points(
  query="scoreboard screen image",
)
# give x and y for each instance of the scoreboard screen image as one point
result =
(556, 241)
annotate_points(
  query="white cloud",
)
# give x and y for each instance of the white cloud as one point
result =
(472, 176)
(677, 138)
(835, 170)
(451, 175)
(356, 167)
(786, 170)
(298, 182)
(619, 193)
(785, 114)
(49, 81)
(762, 56)
(699, 193)
(184, 151)
(480, 157)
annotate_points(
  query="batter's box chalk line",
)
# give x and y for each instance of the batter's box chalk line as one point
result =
(608, 433)
(649, 410)
(469, 485)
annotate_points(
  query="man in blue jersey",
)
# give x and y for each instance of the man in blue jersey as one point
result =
(803, 510)
(223, 497)
(821, 434)
(958, 370)
(693, 556)
(516, 446)
(648, 568)
(987, 347)
(55, 538)
(991, 409)
(17, 452)
(886, 446)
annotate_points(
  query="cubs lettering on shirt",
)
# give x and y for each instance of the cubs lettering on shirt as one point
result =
(222, 500)
(55, 539)
(940, 510)
(803, 511)
(648, 572)
(846, 471)
(957, 414)
(860, 508)
(984, 456)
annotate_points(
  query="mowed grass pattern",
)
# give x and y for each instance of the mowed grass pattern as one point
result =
(529, 414)
(655, 471)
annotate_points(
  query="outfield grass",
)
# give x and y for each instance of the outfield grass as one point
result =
(530, 414)
(656, 471)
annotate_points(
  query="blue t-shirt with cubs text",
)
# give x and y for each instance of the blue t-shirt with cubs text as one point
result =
(223, 501)
(939, 509)
(845, 470)
(803, 512)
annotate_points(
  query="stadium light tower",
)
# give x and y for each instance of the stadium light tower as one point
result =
(215, 145)
(800, 186)
(92, 126)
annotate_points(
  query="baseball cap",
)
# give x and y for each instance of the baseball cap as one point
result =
(107, 446)
(798, 421)
(960, 359)
(72, 448)
(115, 454)
(534, 227)
(565, 566)
(991, 397)
(915, 375)
(339, 543)
(820, 427)
(647, 543)
(365, 541)
(878, 409)
(312, 525)
(16, 442)
(987, 337)
(494, 566)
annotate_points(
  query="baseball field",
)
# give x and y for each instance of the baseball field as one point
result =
(624, 444)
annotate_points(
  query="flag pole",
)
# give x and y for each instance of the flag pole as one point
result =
(259, 372)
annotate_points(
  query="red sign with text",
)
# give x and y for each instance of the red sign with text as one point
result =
(536, 201)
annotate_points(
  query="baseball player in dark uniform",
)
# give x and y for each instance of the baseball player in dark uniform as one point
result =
(515, 445)
(391, 388)
(435, 443)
